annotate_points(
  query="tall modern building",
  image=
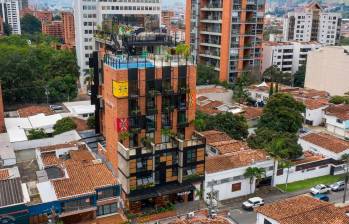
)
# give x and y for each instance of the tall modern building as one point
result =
(9, 11)
(88, 15)
(145, 108)
(226, 34)
(313, 24)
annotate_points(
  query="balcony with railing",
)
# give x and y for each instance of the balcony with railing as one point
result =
(213, 5)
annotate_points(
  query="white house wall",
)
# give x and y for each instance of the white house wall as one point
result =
(261, 218)
(307, 146)
(317, 115)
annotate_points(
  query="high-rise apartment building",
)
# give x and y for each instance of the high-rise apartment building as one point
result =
(54, 29)
(145, 108)
(313, 24)
(287, 56)
(226, 34)
(68, 28)
(9, 11)
(89, 14)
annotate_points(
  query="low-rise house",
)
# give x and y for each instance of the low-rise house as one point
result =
(75, 184)
(225, 173)
(80, 109)
(301, 209)
(337, 119)
(314, 114)
(325, 144)
(213, 136)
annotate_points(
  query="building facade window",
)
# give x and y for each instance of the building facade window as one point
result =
(236, 187)
(107, 209)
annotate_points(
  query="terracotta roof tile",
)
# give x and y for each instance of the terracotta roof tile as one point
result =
(33, 110)
(251, 113)
(327, 141)
(215, 136)
(211, 107)
(304, 209)
(202, 220)
(4, 174)
(313, 104)
(340, 111)
(230, 161)
(50, 159)
(308, 157)
(202, 98)
(230, 146)
(83, 178)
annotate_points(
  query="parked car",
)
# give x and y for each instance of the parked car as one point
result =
(338, 186)
(56, 107)
(320, 189)
(322, 197)
(252, 203)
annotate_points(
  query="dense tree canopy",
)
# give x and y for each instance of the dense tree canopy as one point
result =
(282, 114)
(30, 24)
(240, 88)
(64, 125)
(273, 74)
(299, 77)
(30, 68)
(339, 99)
(234, 125)
(206, 75)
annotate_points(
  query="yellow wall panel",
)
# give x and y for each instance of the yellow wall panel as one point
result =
(120, 89)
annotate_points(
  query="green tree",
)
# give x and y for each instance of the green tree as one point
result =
(64, 125)
(29, 66)
(299, 76)
(183, 49)
(271, 89)
(273, 74)
(91, 122)
(30, 24)
(7, 29)
(254, 174)
(234, 125)
(37, 134)
(344, 41)
(261, 138)
(240, 89)
(282, 114)
(206, 75)
(283, 147)
(339, 99)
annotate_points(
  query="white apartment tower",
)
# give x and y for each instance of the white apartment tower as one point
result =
(287, 56)
(9, 11)
(312, 24)
(88, 14)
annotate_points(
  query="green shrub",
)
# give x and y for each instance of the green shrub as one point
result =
(91, 122)
(37, 134)
(64, 125)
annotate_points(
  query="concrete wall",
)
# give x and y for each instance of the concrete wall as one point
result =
(225, 189)
(302, 174)
(316, 115)
(325, 61)
(66, 137)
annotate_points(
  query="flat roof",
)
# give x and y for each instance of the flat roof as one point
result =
(80, 107)
(46, 191)
(42, 121)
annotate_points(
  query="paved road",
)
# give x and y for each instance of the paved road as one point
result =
(241, 216)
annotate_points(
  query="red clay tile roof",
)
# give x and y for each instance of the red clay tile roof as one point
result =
(251, 113)
(304, 209)
(230, 161)
(230, 146)
(4, 174)
(340, 111)
(217, 89)
(81, 125)
(313, 104)
(50, 159)
(215, 136)
(327, 141)
(202, 98)
(308, 157)
(210, 108)
(83, 178)
(33, 110)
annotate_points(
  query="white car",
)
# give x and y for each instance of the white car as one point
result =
(320, 189)
(252, 203)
